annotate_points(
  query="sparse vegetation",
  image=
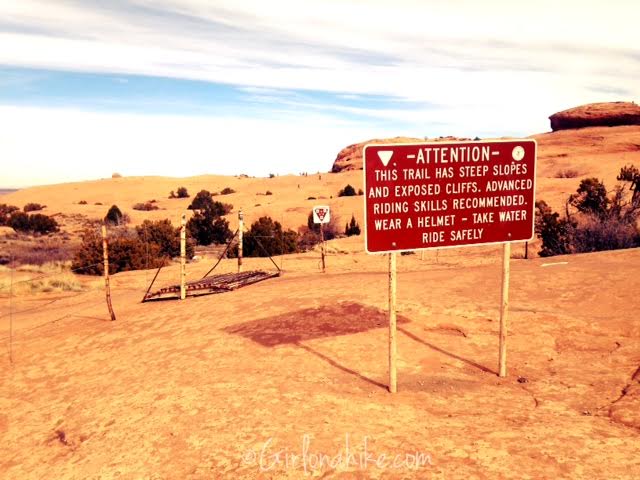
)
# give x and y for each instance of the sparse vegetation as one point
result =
(82, 202)
(268, 192)
(116, 175)
(227, 191)
(33, 207)
(567, 173)
(147, 206)
(601, 221)
(347, 191)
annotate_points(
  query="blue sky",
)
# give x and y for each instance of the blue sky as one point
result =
(199, 86)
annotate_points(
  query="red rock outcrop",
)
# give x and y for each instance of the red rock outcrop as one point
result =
(597, 115)
(350, 158)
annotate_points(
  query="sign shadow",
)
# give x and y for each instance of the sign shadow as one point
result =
(444, 352)
(326, 321)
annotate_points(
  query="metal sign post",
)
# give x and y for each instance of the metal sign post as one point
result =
(322, 215)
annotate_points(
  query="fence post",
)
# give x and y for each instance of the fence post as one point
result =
(183, 257)
(240, 232)
(105, 258)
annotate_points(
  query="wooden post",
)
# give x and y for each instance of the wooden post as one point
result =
(105, 258)
(393, 387)
(504, 310)
(322, 246)
(183, 257)
(240, 232)
(526, 250)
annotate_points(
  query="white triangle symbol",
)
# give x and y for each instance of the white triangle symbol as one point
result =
(385, 156)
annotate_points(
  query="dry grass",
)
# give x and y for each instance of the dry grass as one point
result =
(567, 173)
(46, 278)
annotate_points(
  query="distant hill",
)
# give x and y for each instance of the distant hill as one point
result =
(7, 190)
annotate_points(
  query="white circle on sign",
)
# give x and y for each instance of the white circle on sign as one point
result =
(517, 153)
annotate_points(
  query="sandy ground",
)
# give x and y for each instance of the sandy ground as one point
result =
(262, 381)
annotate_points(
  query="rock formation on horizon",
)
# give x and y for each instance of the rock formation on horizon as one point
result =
(609, 114)
(350, 158)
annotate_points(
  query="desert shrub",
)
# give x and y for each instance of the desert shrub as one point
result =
(272, 175)
(360, 192)
(567, 173)
(268, 192)
(116, 175)
(182, 192)
(33, 207)
(82, 202)
(555, 232)
(98, 203)
(602, 220)
(311, 198)
(591, 198)
(347, 191)
(163, 234)
(227, 191)
(147, 206)
(37, 251)
(269, 234)
(352, 228)
(127, 251)
(595, 235)
(36, 223)
(5, 213)
(114, 216)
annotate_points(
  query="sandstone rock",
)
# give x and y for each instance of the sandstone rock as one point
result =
(597, 115)
(350, 158)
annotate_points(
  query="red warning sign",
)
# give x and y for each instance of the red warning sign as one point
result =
(435, 195)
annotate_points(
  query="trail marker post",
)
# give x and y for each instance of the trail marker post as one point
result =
(437, 195)
(105, 259)
(321, 215)
(183, 257)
